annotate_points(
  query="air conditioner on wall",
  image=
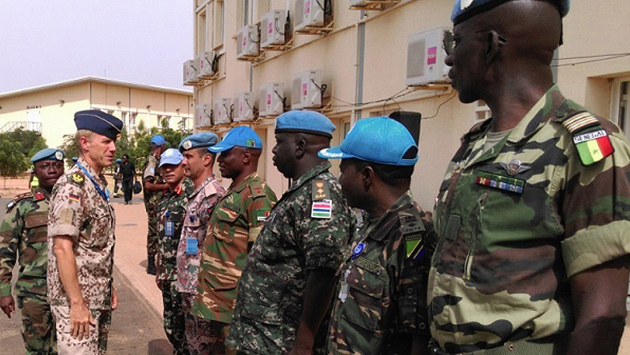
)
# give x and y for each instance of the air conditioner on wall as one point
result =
(309, 13)
(247, 42)
(306, 91)
(222, 111)
(202, 115)
(272, 27)
(425, 58)
(190, 72)
(205, 65)
(243, 107)
(270, 97)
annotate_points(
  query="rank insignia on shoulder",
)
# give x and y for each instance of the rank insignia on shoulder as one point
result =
(593, 146)
(321, 209)
(579, 122)
(320, 190)
(39, 196)
(77, 179)
(501, 182)
(10, 205)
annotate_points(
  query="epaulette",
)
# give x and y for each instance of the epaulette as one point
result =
(479, 127)
(589, 137)
(258, 190)
(412, 230)
(77, 178)
(18, 198)
(320, 190)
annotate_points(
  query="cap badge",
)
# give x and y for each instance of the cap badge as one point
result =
(465, 3)
(250, 143)
(514, 167)
(58, 155)
(187, 145)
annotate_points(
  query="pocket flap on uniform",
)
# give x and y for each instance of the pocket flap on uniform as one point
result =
(228, 212)
(36, 220)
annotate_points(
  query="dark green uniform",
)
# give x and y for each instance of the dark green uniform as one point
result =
(151, 199)
(24, 232)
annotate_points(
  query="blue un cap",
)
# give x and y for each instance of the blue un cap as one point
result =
(48, 153)
(99, 122)
(241, 136)
(310, 122)
(158, 140)
(465, 9)
(171, 156)
(199, 140)
(380, 140)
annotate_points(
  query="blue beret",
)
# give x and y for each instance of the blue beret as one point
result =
(171, 156)
(99, 122)
(305, 122)
(158, 140)
(241, 136)
(48, 153)
(465, 9)
(118, 160)
(380, 140)
(199, 140)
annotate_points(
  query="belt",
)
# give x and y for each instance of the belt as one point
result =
(553, 345)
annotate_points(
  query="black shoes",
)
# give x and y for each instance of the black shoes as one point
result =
(151, 265)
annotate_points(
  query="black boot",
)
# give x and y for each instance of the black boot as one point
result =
(151, 265)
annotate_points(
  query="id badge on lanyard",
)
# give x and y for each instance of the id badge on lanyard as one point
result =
(191, 246)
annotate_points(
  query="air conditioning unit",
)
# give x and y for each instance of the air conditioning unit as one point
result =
(244, 107)
(222, 111)
(425, 58)
(309, 13)
(190, 72)
(270, 101)
(205, 65)
(272, 27)
(247, 42)
(306, 91)
(202, 116)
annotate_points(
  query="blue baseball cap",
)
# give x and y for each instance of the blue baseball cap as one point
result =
(380, 140)
(158, 140)
(48, 153)
(199, 140)
(310, 122)
(171, 156)
(241, 136)
(465, 9)
(99, 122)
(118, 160)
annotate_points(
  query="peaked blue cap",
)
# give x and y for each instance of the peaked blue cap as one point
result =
(241, 136)
(99, 122)
(171, 156)
(158, 140)
(465, 9)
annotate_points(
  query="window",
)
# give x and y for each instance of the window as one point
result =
(620, 112)
(243, 11)
(262, 7)
(219, 21)
(201, 32)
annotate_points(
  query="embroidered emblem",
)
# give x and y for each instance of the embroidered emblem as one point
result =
(58, 155)
(320, 191)
(321, 209)
(358, 250)
(39, 196)
(593, 146)
(187, 145)
(77, 178)
(465, 3)
(73, 197)
(501, 182)
(514, 167)
(415, 246)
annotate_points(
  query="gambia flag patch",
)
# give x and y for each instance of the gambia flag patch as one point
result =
(593, 146)
(321, 209)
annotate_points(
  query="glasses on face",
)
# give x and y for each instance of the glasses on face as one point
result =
(450, 41)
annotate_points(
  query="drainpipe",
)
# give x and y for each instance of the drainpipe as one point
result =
(358, 112)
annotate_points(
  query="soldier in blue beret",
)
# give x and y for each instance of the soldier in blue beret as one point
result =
(81, 226)
(531, 213)
(23, 240)
(290, 271)
(154, 188)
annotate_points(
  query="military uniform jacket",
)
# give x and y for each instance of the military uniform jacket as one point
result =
(200, 205)
(23, 233)
(171, 211)
(383, 288)
(151, 174)
(292, 242)
(79, 211)
(235, 222)
(514, 222)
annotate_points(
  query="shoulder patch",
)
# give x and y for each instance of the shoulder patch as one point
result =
(258, 190)
(18, 198)
(321, 191)
(589, 137)
(77, 179)
(579, 121)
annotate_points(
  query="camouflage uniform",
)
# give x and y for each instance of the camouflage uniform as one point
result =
(198, 210)
(172, 209)
(381, 305)
(151, 199)
(516, 221)
(23, 232)
(79, 211)
(235, 222)
(292, 242)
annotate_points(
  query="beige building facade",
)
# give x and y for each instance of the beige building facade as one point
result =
(371, 57)
(50, 109)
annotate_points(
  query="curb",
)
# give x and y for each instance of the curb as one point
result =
(119, 275)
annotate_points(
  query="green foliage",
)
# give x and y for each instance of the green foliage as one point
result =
(70, 148)
(16, 149)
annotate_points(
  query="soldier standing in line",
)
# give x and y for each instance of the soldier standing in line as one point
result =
(23, 232)
(117, 176)
(198, 163)
(81, 240)
(233, 227)
(533, 216)
(154, 188)
(287, 284)
(171, 211)
(128, 171)
(381, 307)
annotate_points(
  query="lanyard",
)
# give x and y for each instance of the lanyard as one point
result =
(105, 193)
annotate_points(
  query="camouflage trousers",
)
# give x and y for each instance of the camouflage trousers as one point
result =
(94, 344)
(204, 336)
(38, 326)
(152, 234)
(174, 318)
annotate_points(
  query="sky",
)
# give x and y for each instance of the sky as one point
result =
(141, 41)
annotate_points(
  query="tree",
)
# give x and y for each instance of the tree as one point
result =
(12, 160)
(70, 148)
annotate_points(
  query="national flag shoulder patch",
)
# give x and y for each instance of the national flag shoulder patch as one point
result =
(73, 197)
(593, 146)
(321, 209)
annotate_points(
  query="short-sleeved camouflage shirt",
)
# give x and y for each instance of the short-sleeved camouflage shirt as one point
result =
(381, 302)
(23, 233)
(151, 174)
(516, 220)
(79, 211)
(171, 211)
(310, 227)
(235, 222)
(200, 205)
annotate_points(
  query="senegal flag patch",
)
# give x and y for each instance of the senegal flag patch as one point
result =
(593, 146)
